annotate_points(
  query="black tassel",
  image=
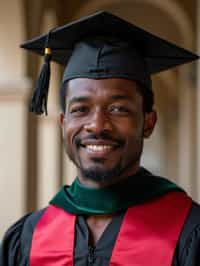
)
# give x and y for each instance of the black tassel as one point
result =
(40, 95)
(39, 100)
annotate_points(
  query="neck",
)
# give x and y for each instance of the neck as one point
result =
(97, 225)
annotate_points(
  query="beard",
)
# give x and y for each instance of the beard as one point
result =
(100, 175)
(113, 175)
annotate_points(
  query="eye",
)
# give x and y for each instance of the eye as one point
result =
(118, 109)
(79, 110)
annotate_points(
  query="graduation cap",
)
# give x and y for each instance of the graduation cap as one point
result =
(102, 45)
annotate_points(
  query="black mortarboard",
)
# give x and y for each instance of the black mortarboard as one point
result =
(101, 46)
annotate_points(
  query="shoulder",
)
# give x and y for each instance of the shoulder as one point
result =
(188, 248)
(16, 243)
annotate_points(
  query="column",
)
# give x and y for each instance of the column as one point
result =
(48, 148)
(14, 89)
(186, 134)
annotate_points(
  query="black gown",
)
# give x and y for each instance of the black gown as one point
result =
(16, 244)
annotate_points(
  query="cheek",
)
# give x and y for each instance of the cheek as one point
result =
(71, 130)
(131, 128)
(132, 132)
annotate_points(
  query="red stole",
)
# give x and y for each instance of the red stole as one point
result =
(148, 234)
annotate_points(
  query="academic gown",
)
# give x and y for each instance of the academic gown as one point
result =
(15, 247)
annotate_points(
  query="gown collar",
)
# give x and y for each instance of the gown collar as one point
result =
(83, 200)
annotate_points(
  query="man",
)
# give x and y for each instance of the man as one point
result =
(115, 212)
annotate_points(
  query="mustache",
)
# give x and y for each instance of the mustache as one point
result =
(101, 136)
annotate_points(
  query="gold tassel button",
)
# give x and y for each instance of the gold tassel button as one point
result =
(47, 51)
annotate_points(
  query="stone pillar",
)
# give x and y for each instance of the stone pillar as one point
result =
(12, 151)
(48, 158)
(14, 89)
(185, 132)
(49, 133)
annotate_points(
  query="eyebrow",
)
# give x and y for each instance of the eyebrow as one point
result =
(120, 97)
(78, 99)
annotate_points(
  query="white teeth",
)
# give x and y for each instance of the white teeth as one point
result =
(99, 147)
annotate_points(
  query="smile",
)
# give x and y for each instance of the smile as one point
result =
(99, 148)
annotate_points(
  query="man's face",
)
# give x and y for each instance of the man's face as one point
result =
(103, 128)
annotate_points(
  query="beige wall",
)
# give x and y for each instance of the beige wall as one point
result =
(14, 89)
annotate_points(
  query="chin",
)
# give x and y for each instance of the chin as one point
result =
(101, 175)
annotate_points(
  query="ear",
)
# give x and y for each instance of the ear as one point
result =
(62, 119)
(150, 120)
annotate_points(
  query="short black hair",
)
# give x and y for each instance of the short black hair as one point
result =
(147, 94)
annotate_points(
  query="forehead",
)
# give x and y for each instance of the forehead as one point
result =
(103, 88)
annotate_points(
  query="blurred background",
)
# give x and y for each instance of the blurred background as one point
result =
(32, 162)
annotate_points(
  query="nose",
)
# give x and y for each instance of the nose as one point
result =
(99, 122)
